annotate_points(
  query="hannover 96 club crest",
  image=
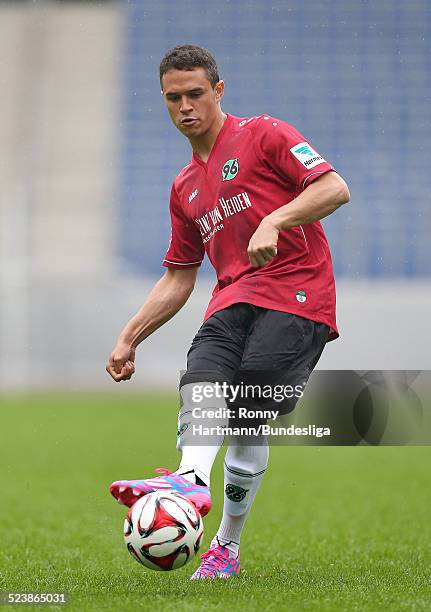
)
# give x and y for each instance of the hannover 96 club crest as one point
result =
(235, 493)
(230, 169)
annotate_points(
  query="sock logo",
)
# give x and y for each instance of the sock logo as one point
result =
(182, 429)
(235, 493)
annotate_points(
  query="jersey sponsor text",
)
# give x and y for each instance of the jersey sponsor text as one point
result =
(210, 222)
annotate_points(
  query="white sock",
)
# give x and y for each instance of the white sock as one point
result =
(243, 471)
(198, 451)
(233, 547)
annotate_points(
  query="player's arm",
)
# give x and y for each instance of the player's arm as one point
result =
(317, 201)
(166, 298)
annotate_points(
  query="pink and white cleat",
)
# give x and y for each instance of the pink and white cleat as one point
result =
(217, 563)
(127, 492)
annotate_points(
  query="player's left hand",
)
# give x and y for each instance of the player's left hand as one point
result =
(263, 244)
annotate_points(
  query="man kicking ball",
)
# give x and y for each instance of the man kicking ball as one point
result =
(251, 198)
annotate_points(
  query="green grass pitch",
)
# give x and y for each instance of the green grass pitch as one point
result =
(331, 529)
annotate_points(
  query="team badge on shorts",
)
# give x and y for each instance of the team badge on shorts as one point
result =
(235, 493)
(230, 169)
(301, 296)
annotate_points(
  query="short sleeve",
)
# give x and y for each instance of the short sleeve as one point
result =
(185, 246)
(285, 150)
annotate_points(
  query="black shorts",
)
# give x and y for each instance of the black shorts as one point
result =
(246, 344)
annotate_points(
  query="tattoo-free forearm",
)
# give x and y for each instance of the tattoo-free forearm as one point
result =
(166, 298)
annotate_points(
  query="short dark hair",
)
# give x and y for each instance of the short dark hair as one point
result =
(189, 57)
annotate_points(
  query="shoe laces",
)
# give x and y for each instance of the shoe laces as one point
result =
(215, 558)
(163, 471)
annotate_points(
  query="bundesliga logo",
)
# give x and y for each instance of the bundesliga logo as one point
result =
(306, 155)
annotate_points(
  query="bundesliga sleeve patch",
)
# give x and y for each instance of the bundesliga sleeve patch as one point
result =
(307, 155)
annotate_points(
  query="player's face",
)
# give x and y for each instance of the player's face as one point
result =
(192, 102)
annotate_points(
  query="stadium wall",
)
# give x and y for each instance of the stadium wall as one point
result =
(382, 326)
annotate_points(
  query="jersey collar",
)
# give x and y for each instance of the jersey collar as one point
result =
(218, 140)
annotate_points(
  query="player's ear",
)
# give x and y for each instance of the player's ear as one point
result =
(219, 90)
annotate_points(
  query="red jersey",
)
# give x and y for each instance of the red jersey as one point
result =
(256, 165)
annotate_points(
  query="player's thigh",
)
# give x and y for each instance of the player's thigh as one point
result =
(280, 353)
(283, 340)
(217, 349)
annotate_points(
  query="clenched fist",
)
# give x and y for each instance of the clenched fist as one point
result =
(263, 244)
(121, 364)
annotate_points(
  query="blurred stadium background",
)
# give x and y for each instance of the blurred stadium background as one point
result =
(88, 156)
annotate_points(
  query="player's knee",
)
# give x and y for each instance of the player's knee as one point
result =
(203, 417)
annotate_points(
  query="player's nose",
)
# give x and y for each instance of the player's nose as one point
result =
(185, 106)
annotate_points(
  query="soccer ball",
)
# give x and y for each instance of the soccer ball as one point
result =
(163, 530)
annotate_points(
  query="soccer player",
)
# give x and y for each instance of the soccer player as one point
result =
(251, 198)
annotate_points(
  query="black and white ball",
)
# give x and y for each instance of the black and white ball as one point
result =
(163, 530)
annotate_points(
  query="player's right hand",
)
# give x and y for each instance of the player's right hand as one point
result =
(121, 364)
